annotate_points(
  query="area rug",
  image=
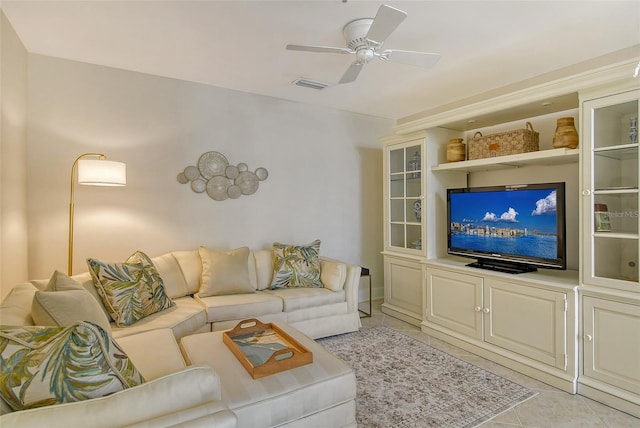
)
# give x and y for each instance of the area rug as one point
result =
(402, 382)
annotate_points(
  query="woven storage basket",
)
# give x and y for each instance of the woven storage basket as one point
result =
(503, 143)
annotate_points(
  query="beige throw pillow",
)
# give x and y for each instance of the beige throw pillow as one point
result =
(225, 272)
(333, 274)
(64, 308)
(62, 282)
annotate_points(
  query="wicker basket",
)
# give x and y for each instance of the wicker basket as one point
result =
(503, 143)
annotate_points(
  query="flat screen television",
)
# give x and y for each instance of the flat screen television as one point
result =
(512, 228)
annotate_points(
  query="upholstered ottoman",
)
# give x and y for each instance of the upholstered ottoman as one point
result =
(321, 394)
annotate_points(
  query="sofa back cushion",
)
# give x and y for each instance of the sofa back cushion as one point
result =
(263, 260)
(15, 309)
(86, 281)
(191, 267)
(333, 274)
(52, 365)
(174, 283)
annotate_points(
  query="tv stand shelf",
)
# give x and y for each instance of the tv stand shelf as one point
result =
(565, 279)
(542, 157)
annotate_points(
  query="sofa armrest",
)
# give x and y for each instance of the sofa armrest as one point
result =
(174, 393)
(212, 414)
(351, 286)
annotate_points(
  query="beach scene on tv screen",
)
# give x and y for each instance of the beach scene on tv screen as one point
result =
(522, 222)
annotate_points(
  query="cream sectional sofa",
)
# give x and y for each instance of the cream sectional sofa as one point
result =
(317, 312)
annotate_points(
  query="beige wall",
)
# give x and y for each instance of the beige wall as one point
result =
(13, 154)
(324, 168)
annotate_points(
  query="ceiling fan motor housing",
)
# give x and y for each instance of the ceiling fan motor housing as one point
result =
(355, 33)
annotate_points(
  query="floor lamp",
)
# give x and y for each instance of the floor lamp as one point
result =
(93, 172)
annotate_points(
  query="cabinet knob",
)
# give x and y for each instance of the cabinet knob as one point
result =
(487, 310)
(477, 309)
(588, 338)
(586, 192)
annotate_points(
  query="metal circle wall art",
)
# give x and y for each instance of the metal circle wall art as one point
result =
(221, 180)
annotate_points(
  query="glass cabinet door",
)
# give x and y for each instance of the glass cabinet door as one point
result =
(610, 191)
(404, 211)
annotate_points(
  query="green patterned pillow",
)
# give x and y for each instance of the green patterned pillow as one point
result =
(131, 290)
(42, 366)
(296, 266)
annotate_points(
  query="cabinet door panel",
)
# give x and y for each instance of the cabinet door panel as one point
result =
(526, 320)
(611, 339)
(403, 285)
(454, 301)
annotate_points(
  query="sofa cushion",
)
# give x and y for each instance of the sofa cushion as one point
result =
(333, 274)
(296, 265)
(264, 268)
(187, 316)
(303, 298)
(15, 309)
(225, 272)
(163, 343)
(52, 365)
(240, 306)
(172, 278)
(63, 308)
(191, 267)
(131, 290)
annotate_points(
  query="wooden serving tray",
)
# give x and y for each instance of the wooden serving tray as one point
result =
(265, 349)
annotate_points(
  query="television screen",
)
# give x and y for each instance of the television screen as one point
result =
(511, 228)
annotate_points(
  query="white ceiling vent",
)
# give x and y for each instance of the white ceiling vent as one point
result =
(313, 84)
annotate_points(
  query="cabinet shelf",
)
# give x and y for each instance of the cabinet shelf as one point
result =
(615, 235)
(623, 151)
(543, 157)
(616, 191)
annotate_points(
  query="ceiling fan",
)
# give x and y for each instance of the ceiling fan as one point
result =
(365, 37)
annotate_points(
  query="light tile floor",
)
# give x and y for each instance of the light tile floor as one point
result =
(550, 408)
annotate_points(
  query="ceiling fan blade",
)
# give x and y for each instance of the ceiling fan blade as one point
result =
(323, 49)
(352, 73)
(386, 21)
(420, 59)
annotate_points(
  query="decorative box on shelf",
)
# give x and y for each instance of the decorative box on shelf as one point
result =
(503, 143)
(265, 349)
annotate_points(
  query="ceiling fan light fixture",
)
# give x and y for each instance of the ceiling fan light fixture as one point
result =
(308, 83)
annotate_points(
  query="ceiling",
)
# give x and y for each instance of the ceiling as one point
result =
(241, 44)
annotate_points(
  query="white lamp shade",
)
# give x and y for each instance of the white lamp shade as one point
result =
(94, 172)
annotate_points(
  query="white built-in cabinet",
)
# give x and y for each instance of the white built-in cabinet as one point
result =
(524, 320)
(410, 231)
(578, 329)
(610, 295)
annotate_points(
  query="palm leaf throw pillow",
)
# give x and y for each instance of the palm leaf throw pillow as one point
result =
(42, 366)
(296, 265)
(131, 290)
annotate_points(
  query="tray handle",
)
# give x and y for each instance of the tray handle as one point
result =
(282, 354)
(247, 326)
